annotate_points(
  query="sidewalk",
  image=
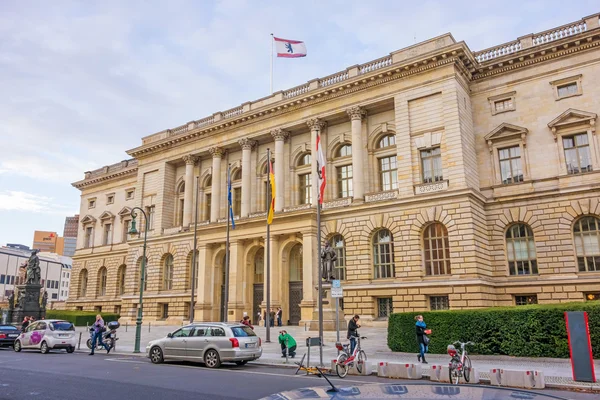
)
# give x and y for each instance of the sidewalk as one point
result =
(558, 372)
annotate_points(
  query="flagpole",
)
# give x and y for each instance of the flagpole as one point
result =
(194, 258)
(268, 251)
(226, 283)
(271, 75)
(320, 272)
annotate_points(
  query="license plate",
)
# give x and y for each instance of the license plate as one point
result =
(63, 335)
(13, 335)
(250, 345)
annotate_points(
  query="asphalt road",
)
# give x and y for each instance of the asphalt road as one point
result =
(77, 376)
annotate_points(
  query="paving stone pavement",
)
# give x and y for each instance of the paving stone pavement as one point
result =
(558, 372)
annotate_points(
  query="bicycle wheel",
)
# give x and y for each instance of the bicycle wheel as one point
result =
(467, 369)
(361, 360)
(340, 368)
(454, 373)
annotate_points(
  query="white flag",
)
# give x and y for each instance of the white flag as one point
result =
(289, 48)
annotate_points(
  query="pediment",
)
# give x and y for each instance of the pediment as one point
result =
(505, 131)
(125, 212)
(107, 215)
(88, 219)
(573, 117)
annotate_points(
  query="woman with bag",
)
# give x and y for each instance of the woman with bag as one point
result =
(422, 338)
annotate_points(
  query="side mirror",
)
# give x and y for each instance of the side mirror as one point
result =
(169, 335)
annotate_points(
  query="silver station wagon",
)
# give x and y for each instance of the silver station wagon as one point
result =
(209, 343)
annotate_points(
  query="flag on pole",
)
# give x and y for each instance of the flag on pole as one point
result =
(229, 197)
(289, 48)
(272, 203)
(320, 168)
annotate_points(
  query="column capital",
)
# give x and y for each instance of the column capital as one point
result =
(356, 112)
(216, 152)
(316, 124)
(247, 144)
(280, 134)
(190, 159)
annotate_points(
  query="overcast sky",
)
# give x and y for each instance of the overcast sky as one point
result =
(81, 82)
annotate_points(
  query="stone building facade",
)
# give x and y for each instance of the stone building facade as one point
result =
(456, 179)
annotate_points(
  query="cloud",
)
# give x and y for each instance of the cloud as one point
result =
(21, 201)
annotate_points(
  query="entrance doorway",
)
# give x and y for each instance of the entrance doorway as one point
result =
(295, 292)
(258, 294)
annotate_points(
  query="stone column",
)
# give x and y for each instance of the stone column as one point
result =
(309, 276)
(316, 125)
(280, 136)
(215, 207)
(247, 146)
(356, 114)
(188, 197)
(235, 302)
(204, 307)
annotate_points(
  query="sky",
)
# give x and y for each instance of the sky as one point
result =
(82, 82)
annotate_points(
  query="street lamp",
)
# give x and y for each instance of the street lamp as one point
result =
(138, 322)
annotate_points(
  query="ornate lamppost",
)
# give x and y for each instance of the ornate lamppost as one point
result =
(134, 231)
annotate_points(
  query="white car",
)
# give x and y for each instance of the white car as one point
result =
(47, 334)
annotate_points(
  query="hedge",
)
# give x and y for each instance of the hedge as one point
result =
(80, 318)
(523, 331)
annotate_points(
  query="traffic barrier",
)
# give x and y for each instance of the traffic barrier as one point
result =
(495, 377)
(399, 370)
(434, 373)
(444, 375)
(522, 379)
(367, 369)
(382, 369)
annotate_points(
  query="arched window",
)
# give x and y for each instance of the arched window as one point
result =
(387, 162)
(436, 249)
(207, 197)
(259, 266)
(102, 282)
(520, 250)
(179, 201)
(337, 244)
(83, 282)
(121, 280)
(343, 171)
(344, 150)
(386, 141)
(168, 273)
(296, 263)
(383, 254)
(266, 200)
(587, 243)
(305, 159)
(237, 175)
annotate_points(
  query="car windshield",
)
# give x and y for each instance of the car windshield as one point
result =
(242, 331)
(62, 326)
(8, 328)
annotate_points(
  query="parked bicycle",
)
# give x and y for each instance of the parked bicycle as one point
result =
(345, 360)
(460, 363)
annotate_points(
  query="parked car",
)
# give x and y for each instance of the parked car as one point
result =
(47, 334)
(208, 343)
(8, 334)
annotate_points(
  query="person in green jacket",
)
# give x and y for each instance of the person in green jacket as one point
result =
(287, 343)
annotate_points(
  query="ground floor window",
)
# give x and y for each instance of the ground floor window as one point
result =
(439, 303)
(118, 310)
(98, 309)
(79, 308)
(385, 307)
(592, 296)
(526, 300)
(164, 311)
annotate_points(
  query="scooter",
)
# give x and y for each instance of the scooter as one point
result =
(109, 336)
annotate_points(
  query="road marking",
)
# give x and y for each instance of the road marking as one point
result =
(124, 360)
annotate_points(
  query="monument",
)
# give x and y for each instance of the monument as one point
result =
(28, 294)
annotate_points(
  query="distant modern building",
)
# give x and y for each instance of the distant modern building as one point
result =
(71, 225)
(70, 243)
(17, 246)
(45, 241)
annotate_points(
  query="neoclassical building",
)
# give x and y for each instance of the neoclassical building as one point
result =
(456, 179)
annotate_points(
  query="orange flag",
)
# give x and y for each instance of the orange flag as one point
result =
(272, 204)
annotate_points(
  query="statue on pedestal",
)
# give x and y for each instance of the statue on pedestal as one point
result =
(328, 257)
(33, 268)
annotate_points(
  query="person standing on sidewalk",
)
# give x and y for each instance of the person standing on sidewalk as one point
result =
(353, 326)
(422, 338)
(278, 314)
(272, 318)
(98, 330)
(287, 343)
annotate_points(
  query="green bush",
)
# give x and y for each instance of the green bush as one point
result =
(80, 318)
(524, 331)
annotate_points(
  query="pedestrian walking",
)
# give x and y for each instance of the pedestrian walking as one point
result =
(353, 326)
(278, 314)
(288, 343)
(246, 321)
(98, 330)
(422, 338)
(272, 318)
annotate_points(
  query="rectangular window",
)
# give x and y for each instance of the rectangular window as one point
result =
(388, 173)
(164, 314)
(129, 194)
(577, 153)
(2, 278)
(98, 309)
(568, 90)
(592, 296)
(91, 203)
(150, 213)
(110, 199)
(305, 185)
(237, 201)
(107, 234)
(385, 307)
(431, 165)
(525, 300)
(503, 105)
(89, 237)
(510, 165)
(54, 296)
(208, 203)
(344, 181)
(180, 212)
(12, 280)
(126, 229)
(439, 303)
(118, 310)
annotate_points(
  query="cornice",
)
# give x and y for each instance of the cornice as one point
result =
(83, 184)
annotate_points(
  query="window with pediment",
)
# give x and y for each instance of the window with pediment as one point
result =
(507, 145)
(575, 135)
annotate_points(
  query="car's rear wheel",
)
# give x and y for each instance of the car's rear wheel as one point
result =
(156, 355)
(70, 349)
(241, 362)
(17, 346)
(44, 348)
(211, 359)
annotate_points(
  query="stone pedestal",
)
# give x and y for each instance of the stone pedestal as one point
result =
(29, 304)
(328, 313)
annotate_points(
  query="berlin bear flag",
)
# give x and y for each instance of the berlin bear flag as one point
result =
(289, 48)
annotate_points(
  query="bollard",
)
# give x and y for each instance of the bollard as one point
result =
(79, 344)
(126, 326)
(149, 326)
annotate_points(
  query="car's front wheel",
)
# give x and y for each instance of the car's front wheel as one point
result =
(44, 348)
(211, 359)
(70, 349)
(17, 346)
(156, 355)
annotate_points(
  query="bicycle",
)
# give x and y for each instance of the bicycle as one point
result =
(460, 363)
(346, 360)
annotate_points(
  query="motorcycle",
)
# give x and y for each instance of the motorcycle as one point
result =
(109, 336)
